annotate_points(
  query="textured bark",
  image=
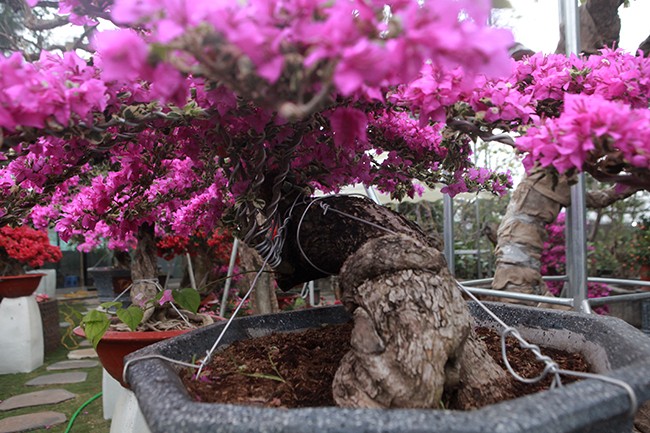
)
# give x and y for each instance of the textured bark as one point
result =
(412, 335)
(645, 47)
(536, 201)
(603, 198)
(600, 26)
(263, 299)
(327, 238)
(144, 267)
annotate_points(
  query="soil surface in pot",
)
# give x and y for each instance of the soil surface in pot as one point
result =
(296, 369)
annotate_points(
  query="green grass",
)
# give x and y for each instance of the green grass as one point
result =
(91, 418)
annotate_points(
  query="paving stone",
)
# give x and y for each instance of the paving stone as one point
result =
(69, 365)
(31, 421)
(82, 354)
(85, 343)
(58, 378)
(47, 396)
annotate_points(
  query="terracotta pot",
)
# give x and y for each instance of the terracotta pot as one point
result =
(17, 286)
(115, 345)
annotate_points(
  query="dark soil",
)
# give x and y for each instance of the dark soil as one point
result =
(296, 369)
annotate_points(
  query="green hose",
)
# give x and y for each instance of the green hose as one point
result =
(74, 416)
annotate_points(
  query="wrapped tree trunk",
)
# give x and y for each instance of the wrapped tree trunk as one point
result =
(412, 336)
(536, 201)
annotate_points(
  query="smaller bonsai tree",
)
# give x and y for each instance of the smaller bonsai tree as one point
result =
(24, 246)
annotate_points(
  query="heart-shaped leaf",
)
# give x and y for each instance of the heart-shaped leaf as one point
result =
(188, 298)
(132, 316)
(95, 324)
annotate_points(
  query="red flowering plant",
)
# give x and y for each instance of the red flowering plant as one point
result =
(24, 246)
(216, 246)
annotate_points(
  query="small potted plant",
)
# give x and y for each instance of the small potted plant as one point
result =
(22, 247)
(116, 331)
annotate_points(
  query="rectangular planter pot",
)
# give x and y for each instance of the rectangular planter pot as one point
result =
(611, 346)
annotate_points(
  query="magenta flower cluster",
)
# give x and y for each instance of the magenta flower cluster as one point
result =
(175, 122)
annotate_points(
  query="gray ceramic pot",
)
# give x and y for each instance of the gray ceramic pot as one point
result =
(591, 405)
(109, 282)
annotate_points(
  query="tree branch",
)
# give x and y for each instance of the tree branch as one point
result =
(39, 25)
(645, 47)
(48, 4)
(602, 198)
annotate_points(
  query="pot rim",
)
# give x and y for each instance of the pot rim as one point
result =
(588, 405)
(133, 335)
(21, 276)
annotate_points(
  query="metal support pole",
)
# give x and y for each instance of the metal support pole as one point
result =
(312, 297)
(477, 210)
(372, 194)
(576, 255)
(231, 269)
(448, 231)
(570, 18)
(190, 270)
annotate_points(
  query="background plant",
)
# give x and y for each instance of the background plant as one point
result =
(24, 246)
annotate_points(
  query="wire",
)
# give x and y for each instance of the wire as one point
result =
(551, 366)
(78, 411)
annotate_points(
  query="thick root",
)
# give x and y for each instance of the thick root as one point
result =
(411, 331)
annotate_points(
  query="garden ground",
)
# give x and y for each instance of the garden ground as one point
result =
(90, 418)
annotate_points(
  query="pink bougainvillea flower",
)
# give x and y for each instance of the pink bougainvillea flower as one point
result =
(348, 125)
(123, 54)
(166, 297)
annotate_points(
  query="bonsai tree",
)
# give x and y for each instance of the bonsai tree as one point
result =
(266, 102)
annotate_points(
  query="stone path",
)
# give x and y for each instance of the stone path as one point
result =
(82, 354)
(38, 398)
(68, 365)
(31, 421)
(64, 372)
(58, 378)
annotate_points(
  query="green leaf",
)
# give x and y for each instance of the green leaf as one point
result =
(132, 316)
(108, 305)
(188, 298)
(95, 324)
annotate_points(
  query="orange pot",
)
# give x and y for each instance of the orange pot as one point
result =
(115, 345)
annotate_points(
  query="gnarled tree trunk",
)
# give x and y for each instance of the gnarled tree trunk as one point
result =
(412, 336)
(263, 299)
(144, 267)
